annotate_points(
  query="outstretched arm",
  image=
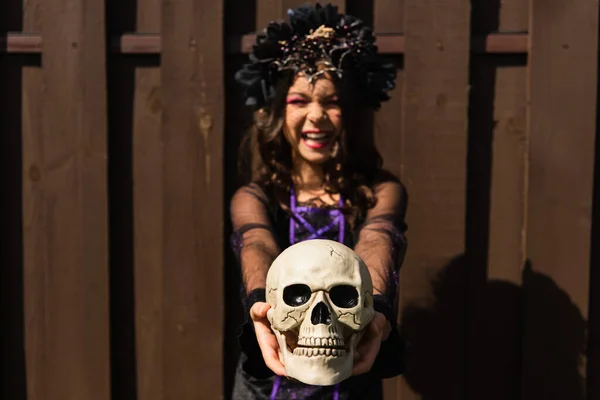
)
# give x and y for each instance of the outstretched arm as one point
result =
(381, 242)
(256, 247)
(253, 237)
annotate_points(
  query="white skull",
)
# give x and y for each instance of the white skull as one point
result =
(321, 298)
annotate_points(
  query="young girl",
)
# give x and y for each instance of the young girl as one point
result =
(309, 159)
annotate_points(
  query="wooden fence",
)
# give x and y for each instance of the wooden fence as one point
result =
(119, 122)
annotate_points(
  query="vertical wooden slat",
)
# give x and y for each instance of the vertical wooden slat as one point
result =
(388, 17)
(436, 67)
(496, 207)
(148, 214)
(192, 136)
(274, 10)
(33, 200)
(562, 123)
(65, 220)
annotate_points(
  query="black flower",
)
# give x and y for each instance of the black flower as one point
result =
(343, 40)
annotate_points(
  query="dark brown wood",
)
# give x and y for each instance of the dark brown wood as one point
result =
(496, 208)
(21, 43)
(65, 205)
(148, 203)
(192, 221)
(388, 132)
(436, 65)
(394, 43)
(497, 190)
(275, 10)
(562, 123)
(34, 235)
(148, 43)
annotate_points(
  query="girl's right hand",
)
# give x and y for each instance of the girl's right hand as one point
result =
(266, 338)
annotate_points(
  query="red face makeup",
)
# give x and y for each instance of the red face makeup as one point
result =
(313, 119)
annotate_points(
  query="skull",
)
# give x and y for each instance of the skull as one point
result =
(321, 298)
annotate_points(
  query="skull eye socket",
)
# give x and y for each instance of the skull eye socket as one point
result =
(296, 295)
(344, 296)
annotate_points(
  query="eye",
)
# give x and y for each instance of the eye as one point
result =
(296, 295)
(296, 100)
(344, 296)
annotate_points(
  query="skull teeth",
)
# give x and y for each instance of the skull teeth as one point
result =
(321, 342)
(322, 351)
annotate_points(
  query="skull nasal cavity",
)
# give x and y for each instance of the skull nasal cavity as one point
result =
(320, 315)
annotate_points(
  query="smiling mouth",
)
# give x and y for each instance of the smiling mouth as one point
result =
(316, 139)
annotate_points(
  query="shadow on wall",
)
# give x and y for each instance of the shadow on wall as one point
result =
(521, 342)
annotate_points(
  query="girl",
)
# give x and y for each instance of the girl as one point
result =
(308, 156)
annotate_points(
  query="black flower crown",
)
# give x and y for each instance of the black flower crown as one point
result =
(317, 40)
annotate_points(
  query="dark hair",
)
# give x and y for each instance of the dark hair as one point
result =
(266, 155)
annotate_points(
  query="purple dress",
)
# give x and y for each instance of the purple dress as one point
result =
(265, 223)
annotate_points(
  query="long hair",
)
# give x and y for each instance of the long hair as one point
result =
(266, 155)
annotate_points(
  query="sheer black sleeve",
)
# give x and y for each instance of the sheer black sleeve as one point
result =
(381, 241)
(255, 245)
(382, 245)
(253, 240)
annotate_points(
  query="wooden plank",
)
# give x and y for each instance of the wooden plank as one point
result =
(149, 43)
(388, 16)
(496, 208)
(434, 171)
(192, 138)
(562, 123)
(33, 200)
(148, 202)
(64, 196)
(496, 227)
(273, 10)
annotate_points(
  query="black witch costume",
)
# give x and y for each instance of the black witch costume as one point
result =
(317, 40)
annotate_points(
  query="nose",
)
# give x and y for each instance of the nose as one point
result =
(320, 314)
(316, 112)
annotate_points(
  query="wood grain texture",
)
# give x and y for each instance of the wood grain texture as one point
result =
(65, 206)
(275, 10)
(562, 125)
(148, 198)
(436, 66)
(192, 222)
(388, 17)
(496, 207)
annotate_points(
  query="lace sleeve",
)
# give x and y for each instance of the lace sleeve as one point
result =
(253, 240)
(381, 241)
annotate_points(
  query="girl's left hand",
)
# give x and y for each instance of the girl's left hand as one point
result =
(377, 331)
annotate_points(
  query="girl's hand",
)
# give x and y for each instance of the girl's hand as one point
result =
(377, 331)
(266, 338)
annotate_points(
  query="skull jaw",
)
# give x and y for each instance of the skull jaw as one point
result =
(318, 370)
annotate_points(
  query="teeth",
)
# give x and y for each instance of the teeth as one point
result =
(313, 352)
(316, 136)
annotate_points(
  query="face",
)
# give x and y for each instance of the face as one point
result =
(313, 118)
